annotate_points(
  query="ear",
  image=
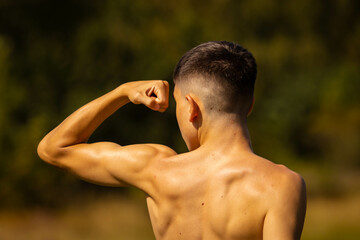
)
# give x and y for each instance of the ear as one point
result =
(251, 106)
(193, 108)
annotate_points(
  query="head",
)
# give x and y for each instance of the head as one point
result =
(216, 80)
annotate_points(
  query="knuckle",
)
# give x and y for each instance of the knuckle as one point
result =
(136, 97)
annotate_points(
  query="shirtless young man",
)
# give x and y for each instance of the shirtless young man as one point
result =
(218, 190)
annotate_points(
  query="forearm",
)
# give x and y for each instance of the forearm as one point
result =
(79, 126)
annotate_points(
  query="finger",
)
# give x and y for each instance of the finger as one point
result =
(150, 102)
(150, 92)
(162, 93)
(166, 104)
(166, 90)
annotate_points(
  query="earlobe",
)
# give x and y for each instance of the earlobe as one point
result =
(193, 108)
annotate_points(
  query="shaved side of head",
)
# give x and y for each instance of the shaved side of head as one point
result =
(221, 73)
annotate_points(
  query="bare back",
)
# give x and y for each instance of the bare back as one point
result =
(209, 196)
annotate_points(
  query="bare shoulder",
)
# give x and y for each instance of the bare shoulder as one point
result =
(287, 181)
(291, 189)
(277, 180)
(278, 173)
(290, 180)
(285, 189)
(285, 203)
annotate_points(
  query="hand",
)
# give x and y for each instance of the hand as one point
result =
(152, 93)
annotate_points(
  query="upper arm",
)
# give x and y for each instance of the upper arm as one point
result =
(285, 218)
(110, 164)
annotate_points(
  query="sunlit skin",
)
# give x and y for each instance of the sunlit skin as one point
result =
(219, 190)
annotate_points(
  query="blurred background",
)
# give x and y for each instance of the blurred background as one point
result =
(56, 56)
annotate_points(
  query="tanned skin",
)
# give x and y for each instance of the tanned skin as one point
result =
(219, 190)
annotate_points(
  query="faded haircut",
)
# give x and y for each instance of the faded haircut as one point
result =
(222, 73)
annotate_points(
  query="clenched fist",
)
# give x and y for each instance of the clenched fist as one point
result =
(152, 93)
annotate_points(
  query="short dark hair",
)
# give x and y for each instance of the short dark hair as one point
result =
(230, 66)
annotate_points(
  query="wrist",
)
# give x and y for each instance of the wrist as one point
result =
(123, 92)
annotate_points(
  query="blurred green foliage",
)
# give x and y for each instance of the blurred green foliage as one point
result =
(57, 55)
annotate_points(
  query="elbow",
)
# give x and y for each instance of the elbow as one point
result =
(48, 152)
(43, 151)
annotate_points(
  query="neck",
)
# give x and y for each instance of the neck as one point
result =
(224, 133)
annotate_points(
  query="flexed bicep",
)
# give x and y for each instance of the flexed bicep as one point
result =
(110, 164)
